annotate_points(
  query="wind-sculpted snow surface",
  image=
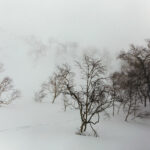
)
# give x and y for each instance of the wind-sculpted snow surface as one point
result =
(34, 126)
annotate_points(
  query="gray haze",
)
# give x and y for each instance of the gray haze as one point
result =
(109, 25)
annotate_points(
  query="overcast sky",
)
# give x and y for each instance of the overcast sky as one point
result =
(112, 24)
(106, 24)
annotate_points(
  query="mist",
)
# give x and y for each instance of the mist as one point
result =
(103, 25)
(69, 78)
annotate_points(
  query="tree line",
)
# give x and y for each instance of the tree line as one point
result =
(87, 87)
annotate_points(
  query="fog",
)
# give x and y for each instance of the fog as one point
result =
(103, 23)
(107, 25)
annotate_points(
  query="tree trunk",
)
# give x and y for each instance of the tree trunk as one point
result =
(83, 127)
(54, 98)
(128, 113)
(145, 101)
(113, 108)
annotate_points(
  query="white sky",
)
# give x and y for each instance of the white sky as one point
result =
(112, 24)
(105, 24)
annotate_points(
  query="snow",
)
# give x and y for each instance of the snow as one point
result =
(36, 126)
(27, 125)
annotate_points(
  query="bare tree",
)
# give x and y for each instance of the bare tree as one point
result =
(91, 95)
(40, 95)
(53, 86)
(114, 91)
(131, 86)
(138, 60)
(124, 92)
(7, 91)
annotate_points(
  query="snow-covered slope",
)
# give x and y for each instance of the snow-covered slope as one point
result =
(26, 125)
(45, 126)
